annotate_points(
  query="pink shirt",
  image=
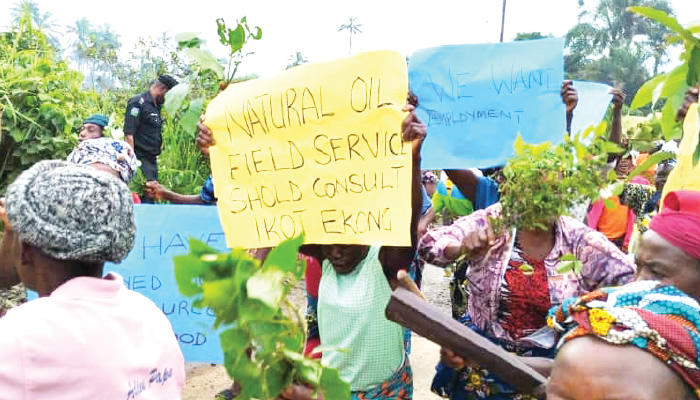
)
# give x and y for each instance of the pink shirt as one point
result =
(90, 339)
(603, 264)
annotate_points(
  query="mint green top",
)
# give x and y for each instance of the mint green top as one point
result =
(351, 316)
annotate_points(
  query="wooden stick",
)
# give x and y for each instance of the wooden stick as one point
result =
(407, 309)
(407, 283)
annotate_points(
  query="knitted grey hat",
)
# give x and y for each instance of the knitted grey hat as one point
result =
(72, 212)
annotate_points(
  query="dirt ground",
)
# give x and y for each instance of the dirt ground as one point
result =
(205, 381)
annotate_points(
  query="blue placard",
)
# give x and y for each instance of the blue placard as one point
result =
(476, 98)
(162, 232)
(593, 102)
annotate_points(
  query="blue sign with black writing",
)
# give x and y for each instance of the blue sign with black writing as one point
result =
(162, 232)
(476, 98)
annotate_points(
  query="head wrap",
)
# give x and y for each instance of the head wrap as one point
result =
(97, 119)
(636, 194)
(113, 153)
(679, 221)
(72, 212)
(168, 81)
(430, 177)
(656, 318)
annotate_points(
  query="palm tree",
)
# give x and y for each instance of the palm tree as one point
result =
(23, 6)
(81, 30)
(352, 28)
(297, 59)
(108, 37)
(41, 21)
(101, 51)
(607, 29)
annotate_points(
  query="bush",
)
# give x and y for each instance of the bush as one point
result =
(41, 103)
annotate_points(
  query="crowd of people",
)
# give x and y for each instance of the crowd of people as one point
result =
(624, 325)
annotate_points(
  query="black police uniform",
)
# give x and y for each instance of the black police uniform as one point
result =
(143, 121)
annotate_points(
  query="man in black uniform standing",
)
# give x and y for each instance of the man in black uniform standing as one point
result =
(143, 125)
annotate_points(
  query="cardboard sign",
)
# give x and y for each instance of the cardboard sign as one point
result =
(593, 102)
(162, 232)
(317, 149)
(475, 99)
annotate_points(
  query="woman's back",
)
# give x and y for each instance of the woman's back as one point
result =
(91, 338)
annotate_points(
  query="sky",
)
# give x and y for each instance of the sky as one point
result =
(311, 26)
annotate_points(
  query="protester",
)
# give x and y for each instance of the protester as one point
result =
(640, 341)
(355, 287)
(617, 220)
(514, 279)
(430, 181)
(143, 126)
(93, 127)
(661, 176)
(617, 223)
(113, 156)
(668, 255)
(86, 337)
(670, 250)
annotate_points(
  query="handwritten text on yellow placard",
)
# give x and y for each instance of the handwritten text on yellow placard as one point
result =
(316, 149)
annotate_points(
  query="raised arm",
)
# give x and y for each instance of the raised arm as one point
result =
(466, 181)
(569, 96)
(617, 101)
(392, 258)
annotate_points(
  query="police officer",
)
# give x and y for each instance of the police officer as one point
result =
(143, 125)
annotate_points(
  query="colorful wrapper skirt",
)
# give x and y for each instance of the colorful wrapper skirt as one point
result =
(398, 387)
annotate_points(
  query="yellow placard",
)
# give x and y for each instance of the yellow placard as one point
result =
(686, 176)
(318, 150)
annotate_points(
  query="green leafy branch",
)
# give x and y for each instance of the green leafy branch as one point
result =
(569, 262)
(262, 345)
(672, 85)
(545, 181)
(236, 38)
(208, 71)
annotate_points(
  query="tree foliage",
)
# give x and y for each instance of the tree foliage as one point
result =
(543, 182)
(672, 86)
(530, 36)
(41, 101)
(612, 45)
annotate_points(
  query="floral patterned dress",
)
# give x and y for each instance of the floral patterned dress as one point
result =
(523, 310)
(510, 292)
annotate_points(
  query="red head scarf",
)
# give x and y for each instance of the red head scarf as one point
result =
(679, 221)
